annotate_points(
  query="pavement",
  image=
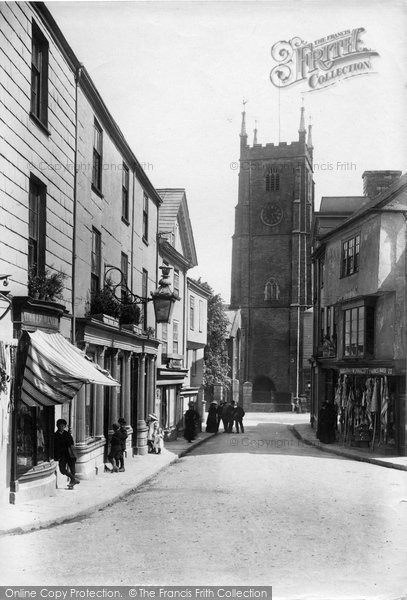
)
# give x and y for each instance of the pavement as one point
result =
(107, 488)
(94, 494)
(305, 433)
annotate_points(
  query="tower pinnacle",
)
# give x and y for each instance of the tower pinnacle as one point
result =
(255, 133)
(302, 130)
(309, 139)
(243, 129)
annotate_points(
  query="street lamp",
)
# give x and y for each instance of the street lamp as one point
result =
(163, 298)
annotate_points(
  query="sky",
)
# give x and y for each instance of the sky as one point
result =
(174, 74)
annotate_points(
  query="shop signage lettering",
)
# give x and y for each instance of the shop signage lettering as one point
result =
(367, 371)
(39, 320)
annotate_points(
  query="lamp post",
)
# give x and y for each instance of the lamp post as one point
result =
(163, 298)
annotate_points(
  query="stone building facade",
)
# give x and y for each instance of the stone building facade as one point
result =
(359, 355)
(271, 265)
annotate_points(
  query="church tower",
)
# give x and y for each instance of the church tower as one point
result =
(271, 264)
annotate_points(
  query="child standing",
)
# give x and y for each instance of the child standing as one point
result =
(115, 455)
(158, 438)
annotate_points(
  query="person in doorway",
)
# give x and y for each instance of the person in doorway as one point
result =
(115, 455)
(239, 414)
(64, 454)
(152, 419)
(192, 421)
(327, 423)
(212, 420)
(123, 437)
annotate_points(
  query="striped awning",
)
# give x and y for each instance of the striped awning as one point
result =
(55, 370)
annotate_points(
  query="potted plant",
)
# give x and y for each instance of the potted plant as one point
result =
(130, 311)
(104, 305)
(45, 284)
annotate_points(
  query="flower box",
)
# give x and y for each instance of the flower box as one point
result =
(133, 329)
(107, 319)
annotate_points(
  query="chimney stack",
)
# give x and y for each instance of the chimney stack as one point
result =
(374, 182)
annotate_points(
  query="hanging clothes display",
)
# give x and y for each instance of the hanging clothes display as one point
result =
(366, 406)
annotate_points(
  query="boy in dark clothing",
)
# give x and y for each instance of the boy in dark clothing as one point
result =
(123, 437)
(63, 452)
(239, 414)
(115, 455)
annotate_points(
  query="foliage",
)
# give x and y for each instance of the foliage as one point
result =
(216, 367)
(104, 301)
(129, 311)
(45, 284)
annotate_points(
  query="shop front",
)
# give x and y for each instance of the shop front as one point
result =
(368, 401)
(49, 373)
(170, 402)
(131, 358)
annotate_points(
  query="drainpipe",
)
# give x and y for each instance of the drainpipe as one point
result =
(74, 215)
(132, 231)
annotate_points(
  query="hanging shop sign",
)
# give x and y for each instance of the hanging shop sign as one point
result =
(366, 371)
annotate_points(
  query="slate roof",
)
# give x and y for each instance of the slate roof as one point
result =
(174, 208)
(342, 204)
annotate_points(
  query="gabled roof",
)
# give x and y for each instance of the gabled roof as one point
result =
(234, 318)
(174, 209)
(393, 198)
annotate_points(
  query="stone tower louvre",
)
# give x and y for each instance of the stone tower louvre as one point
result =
(271, 264)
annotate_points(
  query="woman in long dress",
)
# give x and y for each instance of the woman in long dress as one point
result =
(212, 420)
(192, 420)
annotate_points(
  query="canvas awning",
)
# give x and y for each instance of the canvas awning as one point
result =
(55, 370)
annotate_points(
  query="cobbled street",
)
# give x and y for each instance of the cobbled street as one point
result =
(258, 508)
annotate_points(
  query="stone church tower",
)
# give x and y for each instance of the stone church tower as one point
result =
(271, 265)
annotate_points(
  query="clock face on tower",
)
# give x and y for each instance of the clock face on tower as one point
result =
(272, 214)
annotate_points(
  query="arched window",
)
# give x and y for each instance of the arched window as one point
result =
(271, 290)
(272, 181)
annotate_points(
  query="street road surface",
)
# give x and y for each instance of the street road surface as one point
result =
(259, 508)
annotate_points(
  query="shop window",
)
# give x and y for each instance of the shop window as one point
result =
(358, 331)
(96, 259)
(145, 217)
(36, 225)
(97, 157)
(39, 75)
(125, 193)
(350, 256)
(33, 428)
(192, 312)
(90, 400)
(175, 333)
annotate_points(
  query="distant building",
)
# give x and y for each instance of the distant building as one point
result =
(271, 266)
(176, 248)
(359, 357)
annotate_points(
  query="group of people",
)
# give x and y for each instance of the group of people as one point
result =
(117, 446)
(230, 413)
(155, 435)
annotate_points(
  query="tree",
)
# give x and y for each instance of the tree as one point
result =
(216, 368)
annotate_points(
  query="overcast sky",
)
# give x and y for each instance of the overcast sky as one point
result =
(173, 75)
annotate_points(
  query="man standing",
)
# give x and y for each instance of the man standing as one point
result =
(63, 452)
(123, 437)
(239, 414)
